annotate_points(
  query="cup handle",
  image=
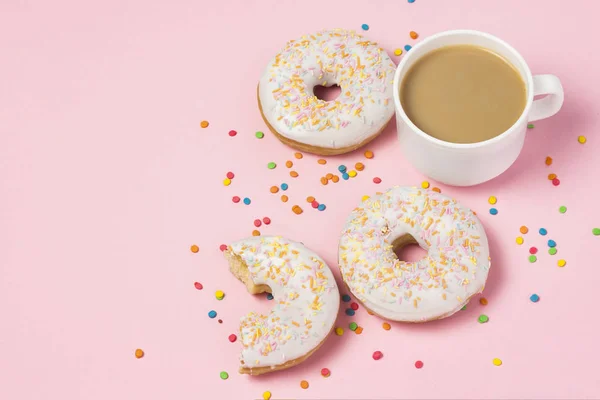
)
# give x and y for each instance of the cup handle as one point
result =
(549, 105)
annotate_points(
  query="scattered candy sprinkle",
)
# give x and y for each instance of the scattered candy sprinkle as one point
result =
(543, 231)
(519, 240)
(346, 298)
(548, 160)
(204, 124)
(339, 331)
(497, 362)
(194, 248)
(325, 372)
(198, 285)
(342, 168)
(483, 319)
(139, 353)
(255, 233)
(562, 209)
(369, 154)
(321, 207)
(224, 375)
(534, 298)
(352, 173)
(365, 198)
(551, 176)
(358, 330)
(232, 133)
(413, 35)
(419, 364)
(596, 231)
(266, 220)
(284, 198)
(533, 250)
(324, 180)
(271, 165)
(267, 395)
(377, 355)
(492, 200)
(314, 204)
(350, 312)
(551, 243)
(220, 321)
(230, 175)
(555, 181)
(354, 306)
(398, 52)
(219, 294)
(232, 338)
(552, 251)
(270, 296)
(310, 199)
(523, 229)
(353, 326)
(284, 186)
(493, 211)
(322, 161)
(386, 326)
(257, 223)
(259, 135)
(247, 201)
(335, 179)
(377, 180)
(411, 1)
(365, 27)
(425, 185)
(483, 301)
(212, 314)
(274, 189)
(407, 47)
(561, 263)
(297, 210)
(304, 384)
(345, 176)
(289, 164)
(530, 126)
(532, 258)
(298, 155)
(235, 199)
(226, 181)
(581, 139)
(293, 174)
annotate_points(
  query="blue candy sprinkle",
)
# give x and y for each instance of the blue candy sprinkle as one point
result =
(342, 168)
(493, 211)
(365, 27)
(269, 296)
(212, 314)
(543, 232)
(411, 1)
(246, 201)
(284, 186)
(349, 312)
(551, 243)
(535, 298)
(346, 298)
(407, 47)
(345, 176)
(321, 207)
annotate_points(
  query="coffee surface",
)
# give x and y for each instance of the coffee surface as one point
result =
(463, 94)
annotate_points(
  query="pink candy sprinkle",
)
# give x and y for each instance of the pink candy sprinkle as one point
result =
(555, 182)
(223, 247)
(257, 223)
(533, 250)
(235, 199)
(377, 355)
(419, 364)
(232, 338)
(354, 306)
(325, 372)
(377, 180)
(232, 133)
(267, 220)
(314, 204)
(230, 175)
(198, 285)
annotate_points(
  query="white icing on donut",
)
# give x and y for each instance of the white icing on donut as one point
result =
(306, 299)
(362, 70)
(455, 268)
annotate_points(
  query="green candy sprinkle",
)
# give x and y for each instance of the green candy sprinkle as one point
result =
(271, 165)
(224, 375)
(562, 209)
(260, 135)
(552, 251)
(532, 258)
(596, 231)
(483, 319)
(530, 126)
(353, 326)
(464, 308)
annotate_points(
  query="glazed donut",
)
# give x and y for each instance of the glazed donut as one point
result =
(455, 268)
(364, 73)
(306, 297)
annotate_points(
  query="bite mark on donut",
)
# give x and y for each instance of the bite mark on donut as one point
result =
(240, 270)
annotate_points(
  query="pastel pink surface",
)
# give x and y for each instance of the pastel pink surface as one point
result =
(106, 179)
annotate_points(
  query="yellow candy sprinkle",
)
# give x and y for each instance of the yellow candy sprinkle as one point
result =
(352, 173)
(581, 139)
(365, 197)
(425, 185)
(492, 200)
(497, 362)
(398, 52)
(219, 294)
(267, 395)
(339, 331)
(519, 240)
(561, 263)
(226, 181)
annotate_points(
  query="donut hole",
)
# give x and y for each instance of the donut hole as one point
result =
(327, 93)
(407, 249)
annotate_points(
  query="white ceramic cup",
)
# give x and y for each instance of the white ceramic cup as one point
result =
(473, 163)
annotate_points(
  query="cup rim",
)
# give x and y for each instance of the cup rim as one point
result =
(443, 143)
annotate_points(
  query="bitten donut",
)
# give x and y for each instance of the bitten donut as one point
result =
(455, 268)
(364, 73)
(306, 300)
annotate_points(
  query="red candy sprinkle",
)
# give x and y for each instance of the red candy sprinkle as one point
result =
(419, 364)
(377, 355)
(232, 338)
(235, 199)
(314, 204)
(257, 223)
(267, 220)
(377, 180)
(223, 247)
(325, 372)
(198, 285)
(555, 182)
(230, 175)
(354, 306)
(232, 133)
(533, 250)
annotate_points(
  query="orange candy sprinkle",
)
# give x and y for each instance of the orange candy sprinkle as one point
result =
(369, 154)
(359, 166)
(358, 330)
(523, 229)
(139, 353)
(255, 233)
(298, 155)
(548, 160)
(335, 179)
(324, 180)
(483, 301)
(274, 189)
(289, 164)
(304, 384)
(284, 198)
(329, 176)
(436, 189)
(194, 248)
(413, 35)
(204, 124)
(310, 199)
(551, 177)
(293, 174)
(322, 161)
(297, 210)
(386, 326)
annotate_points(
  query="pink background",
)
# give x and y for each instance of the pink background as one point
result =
(106, 179)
